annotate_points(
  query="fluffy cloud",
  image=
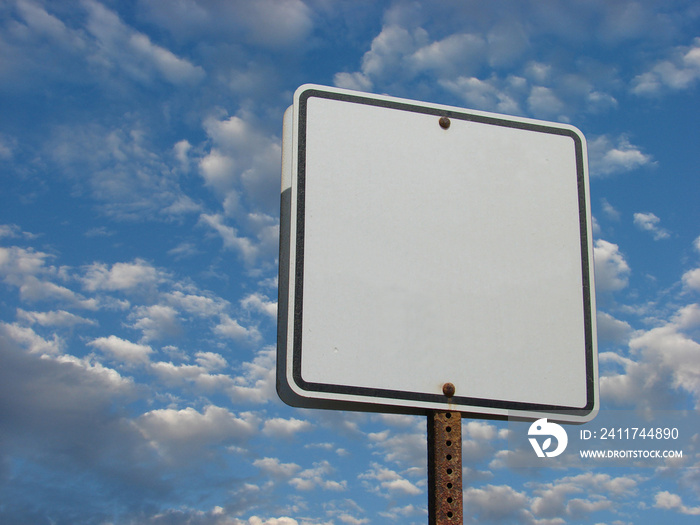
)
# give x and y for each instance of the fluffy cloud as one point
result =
(608, 156)
(666, 500)
(260, 303)
(30, 340)
(257, 382)
(496, 502)
(184, 434)
(275, 468)
(123, 350)
(388, 480)
(242, 166)
(664, 362)
(611, 269)
(54, 318)
(611, 329)
(553, 500)
(270, 24)
(315, 477)
(121, 276)
(196, 303)
(691, 279)
(406, 449)
(232, 329)
(27, 270)
(156, 321)
(285, 428)
(679, 71)
(125, 173)
(650, 222)
(133, 52)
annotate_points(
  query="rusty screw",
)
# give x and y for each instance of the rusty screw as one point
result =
(444, 122)
(448, 389)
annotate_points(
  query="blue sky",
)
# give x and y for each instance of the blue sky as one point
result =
(140, 149)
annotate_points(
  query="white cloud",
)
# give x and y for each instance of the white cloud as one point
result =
(123, 350)
(313, 478)
(230, 328)
(670, 347)
(482, 94)
(179, 434)
(390, 481)
(650, 222)
(611, 269)
(496, 502)
(211, 361)
(666, 500)
(543, 102)
(277, 469)
(125, 173)
(9, 231)
(455, 54)
(218, 171)
(121, 276)
(43, 24)
(406, 449)
(479, 430)
(273, 24)
(32, 341)
(199, 305)
(554, 501)
(260, 303)
(242, 166)
(16, 262)
(156, 321)
(356, 81)
(611, 329)
(610, 210)
(285, 428)
(54, 318)
(177, 375)
(664, 363)
(389, 51)
(691, 279)
(230, 237)
(608, 156)
(26, 269)
(398, 513)
(257, 384)
(680, 71)
(133, 52)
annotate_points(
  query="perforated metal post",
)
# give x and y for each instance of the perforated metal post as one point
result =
(445, 468)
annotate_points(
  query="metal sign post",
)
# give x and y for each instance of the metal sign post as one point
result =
(444, 468)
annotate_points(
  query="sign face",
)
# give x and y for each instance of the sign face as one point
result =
(424, 244)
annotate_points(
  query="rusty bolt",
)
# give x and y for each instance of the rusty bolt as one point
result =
(444, 122)
(448, 389)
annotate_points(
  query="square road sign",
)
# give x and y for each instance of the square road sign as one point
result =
(424, 244)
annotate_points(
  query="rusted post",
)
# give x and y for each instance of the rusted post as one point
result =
(445, 468)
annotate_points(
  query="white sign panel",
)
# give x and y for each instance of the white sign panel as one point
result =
(423, 244)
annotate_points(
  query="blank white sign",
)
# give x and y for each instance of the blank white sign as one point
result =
(414, 255)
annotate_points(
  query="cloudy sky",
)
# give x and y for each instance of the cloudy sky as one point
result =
(140, 147)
